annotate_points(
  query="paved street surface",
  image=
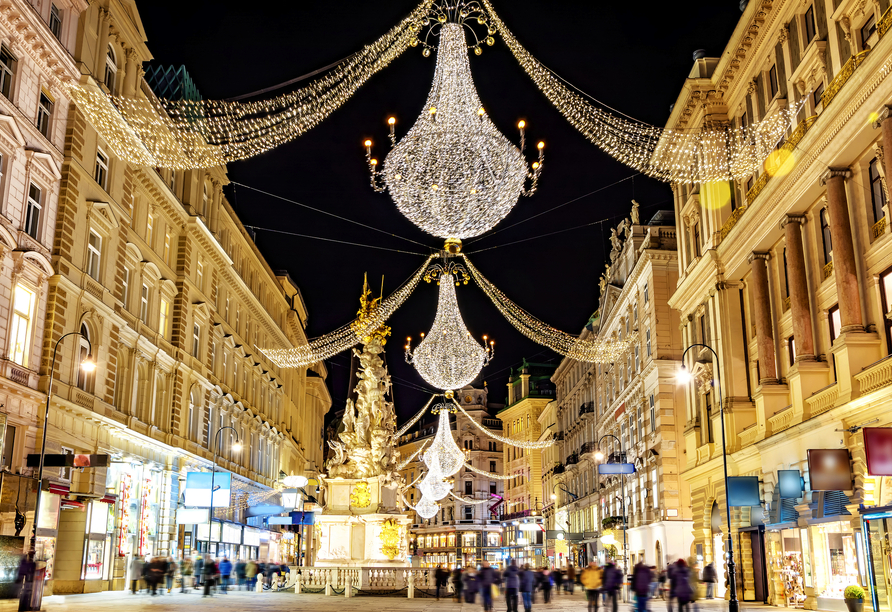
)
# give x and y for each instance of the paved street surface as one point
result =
(118, 601)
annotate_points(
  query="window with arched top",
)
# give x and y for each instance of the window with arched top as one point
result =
(84, 379)
(111, 68)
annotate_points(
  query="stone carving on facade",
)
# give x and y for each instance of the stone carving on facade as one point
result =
(636, 213)
(784, 33)
(615, 243)
(702, 375)
(366, 443)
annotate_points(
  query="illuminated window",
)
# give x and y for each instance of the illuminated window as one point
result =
(100, 172)
(164, 319)
(111, 69)
(56, 21)
(150, 228)
(196, 339)
(94, 254)
(166, 253)
(144, 304)
(20, 336)
(199, 275)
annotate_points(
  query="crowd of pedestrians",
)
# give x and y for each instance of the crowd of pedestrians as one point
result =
(204, 573)
(678, 585)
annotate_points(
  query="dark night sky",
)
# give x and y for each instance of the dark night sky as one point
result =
(633, 56)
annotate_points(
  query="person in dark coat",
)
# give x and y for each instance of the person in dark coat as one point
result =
(709, 577)
(240, 573)
(570, 582)
(198, 567)
(527, 586)
(208, 575)
(441, 577)
(680, 584)
(557, 577)
(612, 581)
(157, 569)
(641, 579)
(225, 569)
(512, 585)
(546, 584)
(469, 585)
(457, 583)
(487, 577)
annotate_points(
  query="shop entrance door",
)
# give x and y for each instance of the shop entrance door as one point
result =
(760, 576)
(878, 541)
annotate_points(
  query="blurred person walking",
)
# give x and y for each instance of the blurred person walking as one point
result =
(641, 580)
(527, 586)
(136, 573)
(591, 579)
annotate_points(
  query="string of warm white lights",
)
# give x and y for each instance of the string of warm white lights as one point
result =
(503, 439)
(492, 475)
(448, 357)
(343, 338)
(695, 156)
(183, 134)
(402, 430)
(587, 351)
(472, 502)
(411, 457)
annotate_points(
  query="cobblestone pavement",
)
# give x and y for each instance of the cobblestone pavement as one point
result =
(119, 601)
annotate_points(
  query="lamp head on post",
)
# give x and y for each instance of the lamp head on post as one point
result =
(237, 446)
(88, 364)
(684, 375)
(599, 455)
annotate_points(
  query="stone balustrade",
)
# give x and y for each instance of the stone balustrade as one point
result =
(875, 376)
(335, 580)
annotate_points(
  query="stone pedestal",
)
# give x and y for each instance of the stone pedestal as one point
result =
(361, 525)
(806, 377)
(853, 350)
(771, 399)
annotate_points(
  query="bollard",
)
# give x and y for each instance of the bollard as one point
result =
(259, 588)
(348, 589)
(297, 585)
(411, 585)
(328, 591)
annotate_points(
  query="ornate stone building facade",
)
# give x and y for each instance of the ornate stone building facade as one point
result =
(464, 534)
(627, 407)
(787, 275)
(37, 40)
(154, 271)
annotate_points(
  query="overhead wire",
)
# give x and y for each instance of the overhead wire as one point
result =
(330, 214)
(347, 242)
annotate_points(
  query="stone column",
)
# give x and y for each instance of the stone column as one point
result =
(885, 123)
(131, 73)
(102, 43)
(762, 316)
(843, 249)
(799, 303)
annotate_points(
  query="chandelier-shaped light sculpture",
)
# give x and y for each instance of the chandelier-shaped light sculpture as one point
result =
(448, 357)
(427, 508)
(444, 455)
(454, 174)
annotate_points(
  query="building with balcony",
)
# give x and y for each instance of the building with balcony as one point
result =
(155, 272)
(529, 391)
(626, 410)
(787, 275)
(462, 534)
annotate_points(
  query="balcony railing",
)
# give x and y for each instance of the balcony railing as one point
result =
(827, 270)
(842, 77)
(587, 408)
(878, 229)
(885, 22)
(588, 447)
(573, 459)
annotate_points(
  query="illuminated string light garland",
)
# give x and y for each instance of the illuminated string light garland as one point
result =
(695, 156)
(349, 335)
(587, 351)
(492, 475)
(470, 501)
(402, 430)
(448, 358)
(503, 439)
(411, 457)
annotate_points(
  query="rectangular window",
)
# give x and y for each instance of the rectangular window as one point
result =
(492, 488)
(469, 513)
(8, 446)
(144, 304)
(646, 294)
(100, 173)
(94, 255)
(877, 193)
(809, 24)
(772, 81)
(164, 318)
(492, 466)
(886, 294)
(32, 218)
(469, 487)
(817, 94)
(647, 340)
(653, 412)
(20, 335)
(825, 234)
(44, 114)
(150, 228)
(637, 360)
(126, 287)
(835, 323)
(791, 349)
(166, 253)
(199, 275)
(7, 70)
(56, 21)
(867, 30)
(196, 339)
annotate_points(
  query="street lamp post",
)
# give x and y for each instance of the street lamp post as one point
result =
(87, 365)
(236, 447)
(685, 376)
(622, 490)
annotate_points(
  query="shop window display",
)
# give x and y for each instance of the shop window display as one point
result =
(836, 561)
(787, 563)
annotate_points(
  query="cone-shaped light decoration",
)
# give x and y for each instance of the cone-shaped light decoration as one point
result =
(444, 455)
(454, 174)
(449, 358)
(426, 508)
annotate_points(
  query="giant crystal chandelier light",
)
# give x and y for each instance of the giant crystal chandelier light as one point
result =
(454, 174)
(448, 357)
(443, 459)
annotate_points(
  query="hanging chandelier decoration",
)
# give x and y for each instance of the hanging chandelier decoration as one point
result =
(444, 456)
(454, 174)
(448, 358)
